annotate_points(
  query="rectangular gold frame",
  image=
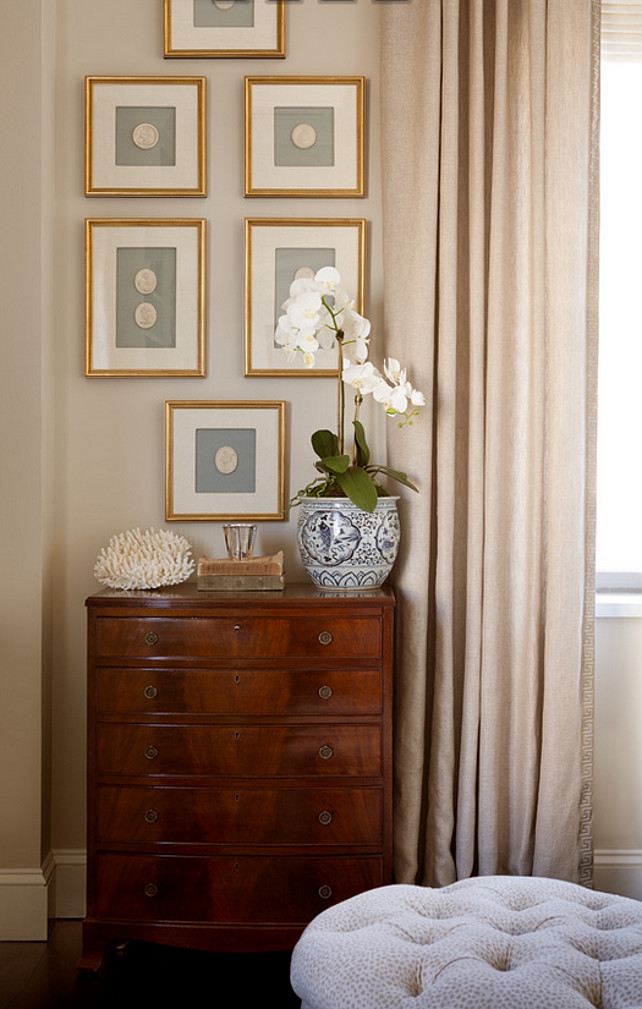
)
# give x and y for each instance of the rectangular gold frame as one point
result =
(275, 49)
(103, 177)
(345, 178)
(102, 358)
(181, 497)
(352, 265)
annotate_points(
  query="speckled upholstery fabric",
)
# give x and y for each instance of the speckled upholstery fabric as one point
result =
(495, 942)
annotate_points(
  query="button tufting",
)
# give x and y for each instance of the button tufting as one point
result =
(439, 948)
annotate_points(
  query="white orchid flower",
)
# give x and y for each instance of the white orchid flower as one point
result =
(392, 398)
(356, 335)
(416, 398)
(402, 389)
(309, 360)
(286, 331)
(394, 372)
(302, 285)
(307, 342)
(363, 377)
(304, 310)
(342, 299)
(325, 336)
(327, 279)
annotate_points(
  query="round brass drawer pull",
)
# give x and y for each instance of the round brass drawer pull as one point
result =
(151, 890)
(151, 752)
(325, 892)
(150, 692)
(325, 638)
(325, 817)
(151, 638)
(151, 816)
(325, 692)
(325, 752)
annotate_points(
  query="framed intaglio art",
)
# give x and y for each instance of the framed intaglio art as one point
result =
(224, 460)
(304, 136)
(145, 136)
(224, 28)
(145, 297)
(278, 252)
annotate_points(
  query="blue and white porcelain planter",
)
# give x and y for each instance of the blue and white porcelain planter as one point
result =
(343, 547)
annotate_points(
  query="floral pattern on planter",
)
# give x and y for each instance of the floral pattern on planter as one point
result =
(344, 547)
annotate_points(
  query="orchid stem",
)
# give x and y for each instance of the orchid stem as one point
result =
(341, 403)
(358, 400)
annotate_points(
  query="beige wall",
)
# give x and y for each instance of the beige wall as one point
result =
(21, 443)
(85, 457)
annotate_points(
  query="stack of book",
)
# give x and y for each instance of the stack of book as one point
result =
(224, 575)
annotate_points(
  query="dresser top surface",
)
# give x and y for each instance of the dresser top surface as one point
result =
(188, 596)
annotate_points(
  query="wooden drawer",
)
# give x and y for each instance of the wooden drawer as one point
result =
(256, 889)
(348, 816)
(272, 750)
(156, 638)
(259, 692)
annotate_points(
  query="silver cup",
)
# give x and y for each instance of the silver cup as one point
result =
(239, 540)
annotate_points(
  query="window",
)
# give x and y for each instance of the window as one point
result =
(619, 449)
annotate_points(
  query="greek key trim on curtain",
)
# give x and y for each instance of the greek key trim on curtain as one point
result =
(489, 132)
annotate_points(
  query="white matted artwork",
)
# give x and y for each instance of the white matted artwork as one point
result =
(304, 136)
(224, 460)
(277, 251)
(224, 28)
(145, 136)
(145, 297)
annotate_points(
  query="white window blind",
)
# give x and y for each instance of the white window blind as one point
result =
(621, 30)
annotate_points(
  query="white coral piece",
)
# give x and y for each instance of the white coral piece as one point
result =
(136, 560)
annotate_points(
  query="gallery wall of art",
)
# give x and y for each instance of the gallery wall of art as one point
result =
(87, 453)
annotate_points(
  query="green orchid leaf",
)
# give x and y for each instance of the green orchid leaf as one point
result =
(336, 463)
(363, 452)
(358, 486)
(325, 444)
(395, 474)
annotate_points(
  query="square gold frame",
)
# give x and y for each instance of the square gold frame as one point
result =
(264, 40)
(346, 235)
(105, 177)
(183, 502)
(344, 97)
(102, 355)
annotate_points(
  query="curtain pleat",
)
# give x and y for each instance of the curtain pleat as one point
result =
(487, 140)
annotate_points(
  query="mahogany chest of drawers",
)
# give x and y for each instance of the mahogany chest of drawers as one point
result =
(239, 763)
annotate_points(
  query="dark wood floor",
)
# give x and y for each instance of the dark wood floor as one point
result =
(42, 975)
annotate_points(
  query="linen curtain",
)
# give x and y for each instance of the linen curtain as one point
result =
(489, 129)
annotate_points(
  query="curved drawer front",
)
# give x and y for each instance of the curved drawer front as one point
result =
(246, 637)
(349, 816)
(277, 750)
(222, 691)
(261, 890)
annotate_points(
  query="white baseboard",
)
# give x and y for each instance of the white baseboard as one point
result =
(26, 902)
(618, 871)
(70, 889)
(30, 897)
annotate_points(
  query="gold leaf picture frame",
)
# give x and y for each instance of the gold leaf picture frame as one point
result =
(305, 136)
(145, 297)
(224, 460)
(224, 29)
(145, 136)
(276, 250)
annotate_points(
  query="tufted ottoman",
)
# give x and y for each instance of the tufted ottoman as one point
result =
(494, 942)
